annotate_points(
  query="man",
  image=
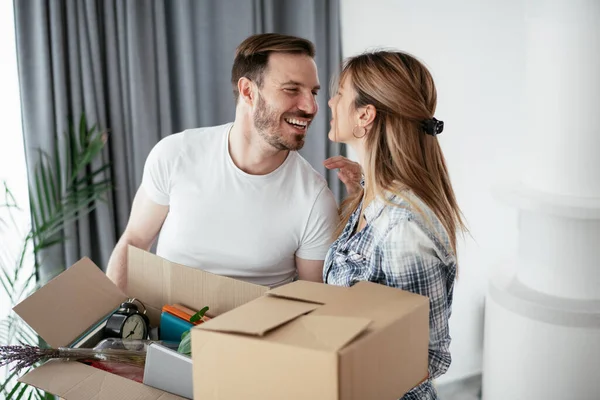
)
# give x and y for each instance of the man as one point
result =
(237, 199)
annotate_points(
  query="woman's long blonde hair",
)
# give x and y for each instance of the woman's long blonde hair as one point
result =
(399, 154)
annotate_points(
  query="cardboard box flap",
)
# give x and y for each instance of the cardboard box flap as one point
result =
(321, 332)
(158, 282)
(379, 294)
(70, 303)
(310, 291)
(259, 316)
(381, 304)
(76, 381)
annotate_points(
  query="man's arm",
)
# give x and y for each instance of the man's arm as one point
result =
(350, 174)
(309, 270)
(317, 237)
(145, 221)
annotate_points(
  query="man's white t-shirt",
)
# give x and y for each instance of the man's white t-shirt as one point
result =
(231, 223)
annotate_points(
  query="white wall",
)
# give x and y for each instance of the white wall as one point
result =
(12, 156)
(476, 53)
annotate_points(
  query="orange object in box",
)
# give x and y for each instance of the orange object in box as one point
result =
(183, 312)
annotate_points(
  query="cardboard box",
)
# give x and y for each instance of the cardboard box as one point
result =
(314, 341)
(82, 295)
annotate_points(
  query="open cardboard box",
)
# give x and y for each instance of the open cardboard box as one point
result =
(314, 341)
(82, 295)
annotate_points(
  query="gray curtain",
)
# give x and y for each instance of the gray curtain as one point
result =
(144, 69)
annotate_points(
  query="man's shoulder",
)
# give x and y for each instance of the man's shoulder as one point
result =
(307, 173)
(190, 142)
(187, 144)
(203, 135)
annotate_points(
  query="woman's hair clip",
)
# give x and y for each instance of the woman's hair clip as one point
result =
(433, 126)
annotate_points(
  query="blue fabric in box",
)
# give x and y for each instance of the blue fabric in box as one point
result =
(172, 327)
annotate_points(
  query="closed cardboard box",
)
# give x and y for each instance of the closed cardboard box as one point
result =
(314, 341)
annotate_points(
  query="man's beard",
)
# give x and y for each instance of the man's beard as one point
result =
(266, 122)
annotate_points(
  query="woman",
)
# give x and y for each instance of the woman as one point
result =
(400, 229)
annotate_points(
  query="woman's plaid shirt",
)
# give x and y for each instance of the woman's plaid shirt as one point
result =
(404, 246)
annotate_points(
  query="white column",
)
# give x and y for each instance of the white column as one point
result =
(542, 323)
(563, 97)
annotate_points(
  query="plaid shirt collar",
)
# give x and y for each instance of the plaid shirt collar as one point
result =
(374, 209)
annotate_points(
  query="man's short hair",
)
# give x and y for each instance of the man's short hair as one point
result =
(252, 55)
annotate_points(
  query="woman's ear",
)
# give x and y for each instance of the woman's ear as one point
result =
(366, 115)
(246, 90)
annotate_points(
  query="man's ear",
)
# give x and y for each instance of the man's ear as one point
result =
(246, 89)
(366, 115)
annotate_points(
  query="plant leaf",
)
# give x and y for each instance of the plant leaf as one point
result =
(11, 375)
(58, 175)
(199, 315)
(22, 392)
(14, 390)
(62, 190)
(7, 282)
(93, 174)
(36, 193)
(26, 285)
(185, 346)
(91, 152)
(184, 334)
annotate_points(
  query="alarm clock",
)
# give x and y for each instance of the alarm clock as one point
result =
(127, 322)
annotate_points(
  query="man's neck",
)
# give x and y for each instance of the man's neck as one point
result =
(250, 153)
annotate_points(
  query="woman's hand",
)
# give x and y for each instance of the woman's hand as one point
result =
(350, 172)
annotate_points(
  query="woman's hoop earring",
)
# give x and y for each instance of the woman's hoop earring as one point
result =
(363, 135)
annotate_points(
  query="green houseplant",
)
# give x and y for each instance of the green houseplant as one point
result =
(61, 190)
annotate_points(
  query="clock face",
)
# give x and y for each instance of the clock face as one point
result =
(134, 327)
